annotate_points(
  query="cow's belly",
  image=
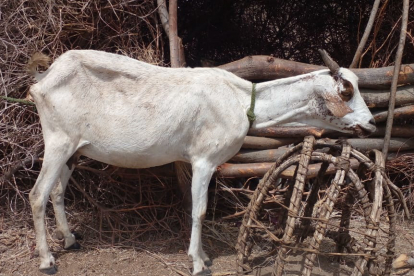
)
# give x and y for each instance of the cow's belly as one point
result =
(128, 157)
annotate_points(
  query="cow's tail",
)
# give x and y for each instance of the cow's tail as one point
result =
(36, 60)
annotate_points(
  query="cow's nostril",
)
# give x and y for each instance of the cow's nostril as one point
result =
(372, 121)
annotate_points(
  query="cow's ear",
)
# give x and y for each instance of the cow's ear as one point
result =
(336, 105)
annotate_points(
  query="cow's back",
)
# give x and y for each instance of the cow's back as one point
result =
(132, 114)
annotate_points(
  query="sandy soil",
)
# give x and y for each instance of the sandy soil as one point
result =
(161, 256)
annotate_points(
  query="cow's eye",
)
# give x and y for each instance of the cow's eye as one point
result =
(348, 91)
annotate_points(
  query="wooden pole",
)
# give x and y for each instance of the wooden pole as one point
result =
(394, 83)
(173, 34)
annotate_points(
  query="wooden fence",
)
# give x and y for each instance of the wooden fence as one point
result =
(262, 147)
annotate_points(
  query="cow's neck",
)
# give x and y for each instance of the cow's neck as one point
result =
(281, 101)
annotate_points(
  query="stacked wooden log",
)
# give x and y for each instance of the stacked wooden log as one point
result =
(262, 147)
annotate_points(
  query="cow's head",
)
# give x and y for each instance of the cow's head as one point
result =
(344, 109)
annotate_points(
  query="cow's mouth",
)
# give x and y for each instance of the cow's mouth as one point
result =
(364, 131)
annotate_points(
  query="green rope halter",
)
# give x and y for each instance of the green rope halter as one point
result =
(250, 113)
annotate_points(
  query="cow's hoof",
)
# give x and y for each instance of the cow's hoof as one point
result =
(75, 246)
(77, 235)
(208, 262)
(205, 272)
(49, 271)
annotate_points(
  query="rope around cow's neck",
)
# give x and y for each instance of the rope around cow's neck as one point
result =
(250, 113)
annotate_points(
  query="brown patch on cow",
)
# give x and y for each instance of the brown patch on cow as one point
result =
(336, 106)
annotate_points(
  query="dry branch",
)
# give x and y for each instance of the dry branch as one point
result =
(269, 68)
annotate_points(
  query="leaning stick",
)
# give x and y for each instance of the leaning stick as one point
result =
(395, 76)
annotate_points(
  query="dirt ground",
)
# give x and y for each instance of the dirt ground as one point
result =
(160, 256)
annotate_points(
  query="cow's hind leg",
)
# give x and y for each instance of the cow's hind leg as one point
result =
(57, 153)
(58, 195)
(202, 172)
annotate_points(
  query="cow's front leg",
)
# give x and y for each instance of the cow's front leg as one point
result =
(202, 172)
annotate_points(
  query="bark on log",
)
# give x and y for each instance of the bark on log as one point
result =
(252, 142)
(270, 68)
(404, 97)
(259, 170)
(399, 113)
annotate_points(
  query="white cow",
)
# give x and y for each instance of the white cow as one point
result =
(132, 114)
